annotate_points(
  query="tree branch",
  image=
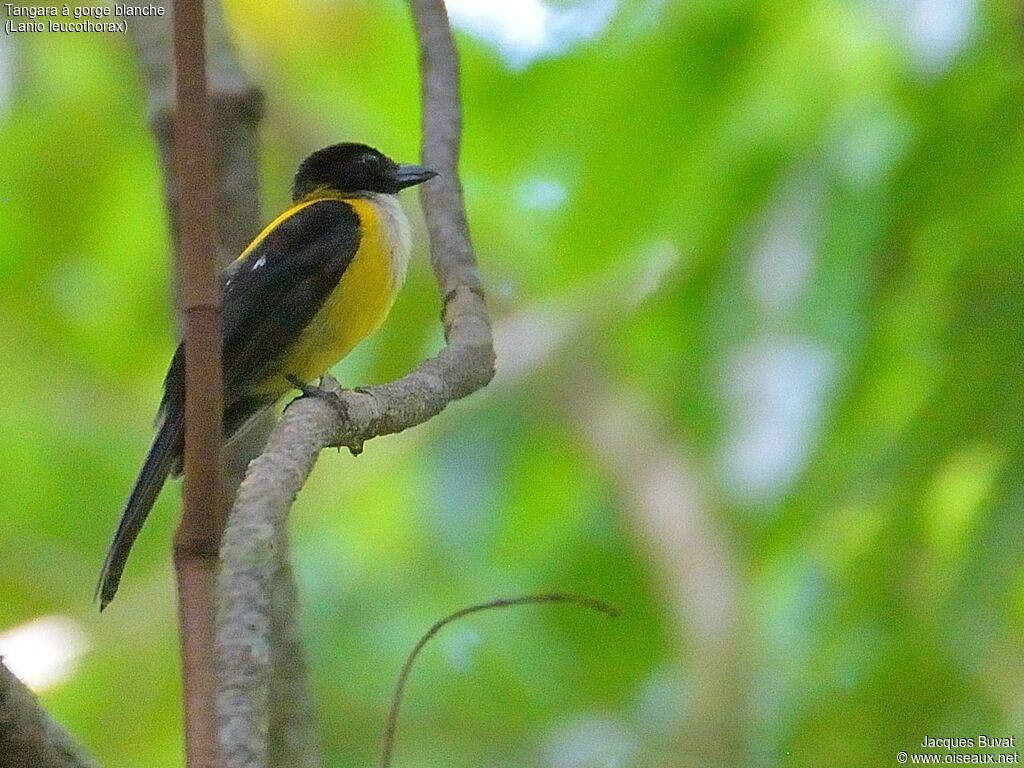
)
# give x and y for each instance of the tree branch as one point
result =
(250, 550)
(28, 735)
(197, 539)
(293, 737)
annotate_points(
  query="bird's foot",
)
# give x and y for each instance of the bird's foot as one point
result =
(328, 391)
(329, 396)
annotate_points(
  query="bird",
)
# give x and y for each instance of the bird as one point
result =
(317, 281)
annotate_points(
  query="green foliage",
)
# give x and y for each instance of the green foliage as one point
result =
(789, 234)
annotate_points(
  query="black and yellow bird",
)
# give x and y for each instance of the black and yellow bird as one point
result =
(314, 283)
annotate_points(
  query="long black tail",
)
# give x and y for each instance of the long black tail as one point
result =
(160, 460)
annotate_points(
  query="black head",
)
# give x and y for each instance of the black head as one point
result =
(353, 168)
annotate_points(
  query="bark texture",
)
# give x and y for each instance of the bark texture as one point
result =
(29, 736)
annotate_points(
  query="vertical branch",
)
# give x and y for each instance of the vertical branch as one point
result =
(252, 559)
(292, 737)
(198, 536)
(451, 252)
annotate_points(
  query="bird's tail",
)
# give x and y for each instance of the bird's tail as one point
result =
(163, 454)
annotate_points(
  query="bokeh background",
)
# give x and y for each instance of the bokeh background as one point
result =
(758, 286)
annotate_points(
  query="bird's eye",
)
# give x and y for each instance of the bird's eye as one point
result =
(371, 161)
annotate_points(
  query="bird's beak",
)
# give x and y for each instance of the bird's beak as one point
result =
(411, 175)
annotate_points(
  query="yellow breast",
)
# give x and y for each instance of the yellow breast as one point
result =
(355, 308)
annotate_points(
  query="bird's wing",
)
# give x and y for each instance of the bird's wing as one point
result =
(270, 294)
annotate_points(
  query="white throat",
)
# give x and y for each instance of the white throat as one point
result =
(396, 232)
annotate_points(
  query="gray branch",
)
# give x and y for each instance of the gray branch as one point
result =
(28, 735)
(251, 549)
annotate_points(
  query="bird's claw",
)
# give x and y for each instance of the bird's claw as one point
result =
(332, 398)
(328, 396)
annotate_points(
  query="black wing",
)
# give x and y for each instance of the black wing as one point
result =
(270, 296)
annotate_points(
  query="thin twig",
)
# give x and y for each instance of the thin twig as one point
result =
(506, 602)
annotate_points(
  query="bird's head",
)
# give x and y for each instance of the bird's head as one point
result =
(354, 168)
